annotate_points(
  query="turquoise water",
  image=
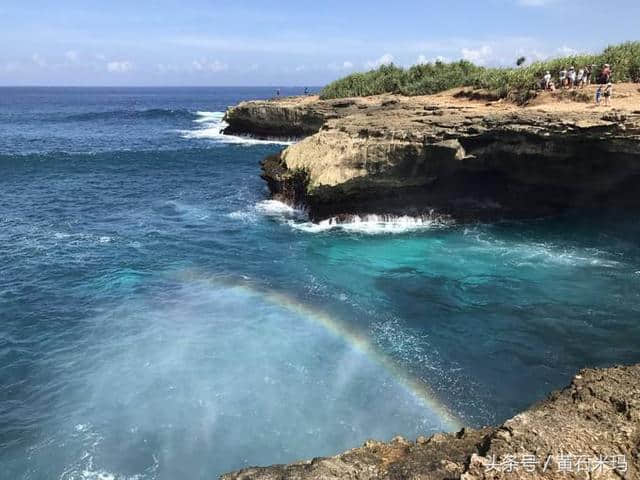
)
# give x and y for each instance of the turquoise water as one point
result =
(160, 318)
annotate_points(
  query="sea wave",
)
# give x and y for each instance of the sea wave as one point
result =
(297, 219)
(212, 124)
(527, 253)
(376, 224)
(130, 114)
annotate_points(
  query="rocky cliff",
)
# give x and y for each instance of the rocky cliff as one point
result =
(285, 118)
(589, 430)
(467, 158)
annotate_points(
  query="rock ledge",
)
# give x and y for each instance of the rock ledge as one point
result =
(589, 430)
(408, 155)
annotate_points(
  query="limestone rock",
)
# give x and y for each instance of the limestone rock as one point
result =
(411, 155)
(595, 418)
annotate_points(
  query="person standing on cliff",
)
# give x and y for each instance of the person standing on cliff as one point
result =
(587, 73)
(580, 78)
(563, 77)
(571, 77)
(606, 74)
(546, 80)
(608, 90)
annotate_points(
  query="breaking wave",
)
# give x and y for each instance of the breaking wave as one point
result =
(371, 224)
(376, 224)
(212, 124)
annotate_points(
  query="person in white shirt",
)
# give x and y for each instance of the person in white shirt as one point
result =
(547, 80)
(563, 77)
(572, 77)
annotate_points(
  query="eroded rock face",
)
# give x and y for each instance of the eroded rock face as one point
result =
(512, 165)
(596, 418)
(285, 118)
(390, 155)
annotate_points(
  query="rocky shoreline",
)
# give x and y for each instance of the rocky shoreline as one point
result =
(589, 430)
(464, 157)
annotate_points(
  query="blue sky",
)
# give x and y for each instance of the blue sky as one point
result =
(207, 42)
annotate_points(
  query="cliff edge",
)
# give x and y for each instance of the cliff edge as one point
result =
(589, 430)
(457, 152)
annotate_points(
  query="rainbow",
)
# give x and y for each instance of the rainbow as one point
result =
(361, 343)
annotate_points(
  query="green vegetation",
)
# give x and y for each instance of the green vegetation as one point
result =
(519, 84)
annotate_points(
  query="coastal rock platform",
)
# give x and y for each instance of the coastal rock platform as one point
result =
(589, 430)
(458, 153)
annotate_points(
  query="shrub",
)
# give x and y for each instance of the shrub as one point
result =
(519, 84)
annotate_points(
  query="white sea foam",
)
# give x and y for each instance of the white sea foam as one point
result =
(375, 224)
(297, 219)
(99, 475)
(246, 216)
(571, 256)
(268, 208)
(532, 254)
(209, 117)
(211, 126)
(275, 208)
(549, 253)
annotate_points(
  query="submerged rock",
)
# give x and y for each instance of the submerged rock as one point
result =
(591, 429)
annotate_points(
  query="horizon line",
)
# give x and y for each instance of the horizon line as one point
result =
(162, 86)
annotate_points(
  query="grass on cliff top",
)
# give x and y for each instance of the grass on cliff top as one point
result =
(519, 84)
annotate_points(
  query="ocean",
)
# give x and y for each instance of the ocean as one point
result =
(161, 318)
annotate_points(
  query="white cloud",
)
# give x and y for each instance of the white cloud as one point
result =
(385, 59)
(72, 56)
(38, 60)
(300, 68)
(422, 59)
(479, 55)
(119, 66)
(567, 51)
(10, 67)
(204, 65)
(346, 65)
(531, 55)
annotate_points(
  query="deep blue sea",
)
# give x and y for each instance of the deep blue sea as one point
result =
(160, 318)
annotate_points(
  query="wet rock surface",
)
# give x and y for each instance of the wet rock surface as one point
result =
(589, 430)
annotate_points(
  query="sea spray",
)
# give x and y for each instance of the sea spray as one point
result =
(211, 126)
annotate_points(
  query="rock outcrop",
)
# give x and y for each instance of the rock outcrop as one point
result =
(399, 155)
(589, 430)
(285, 118)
